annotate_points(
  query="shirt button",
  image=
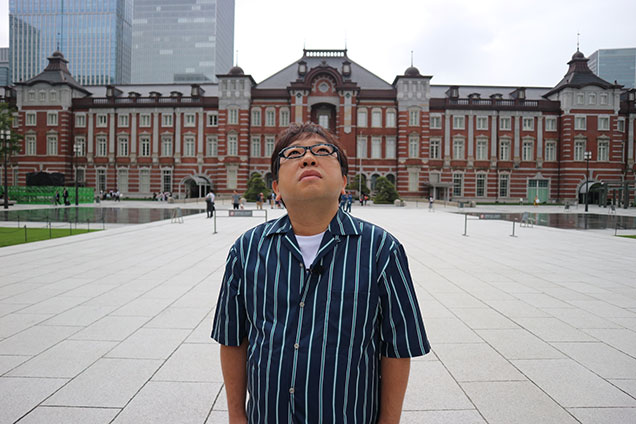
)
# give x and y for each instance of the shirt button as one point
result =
(302, 265)
(302, 304)
(296, 345)
(291, 390)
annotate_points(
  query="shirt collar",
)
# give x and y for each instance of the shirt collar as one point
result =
(342, 224)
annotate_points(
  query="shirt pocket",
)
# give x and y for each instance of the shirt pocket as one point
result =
(350, 321)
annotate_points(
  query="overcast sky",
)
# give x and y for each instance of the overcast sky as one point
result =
(462, 42)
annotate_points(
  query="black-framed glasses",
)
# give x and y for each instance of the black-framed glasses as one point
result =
(297, 152)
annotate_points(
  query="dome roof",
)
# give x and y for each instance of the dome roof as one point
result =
(578, 55)
(412, 71)
(236, 70)
(57, 53)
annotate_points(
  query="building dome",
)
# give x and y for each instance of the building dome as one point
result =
(57, 53)
(578, 55)
(412, 71)
(236, 70)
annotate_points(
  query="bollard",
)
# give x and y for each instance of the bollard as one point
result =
(50, 235)
(265, 215)
(465, 224)
(513, 228)
(70, 227)
(103, 222)
(25, 234)
(215, 212)
(18, 220)
(88, 225)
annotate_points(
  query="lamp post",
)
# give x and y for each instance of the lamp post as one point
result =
(588, 156)
(76, 152)
(6, 134)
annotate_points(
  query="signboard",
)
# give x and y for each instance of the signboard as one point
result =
(240, 213)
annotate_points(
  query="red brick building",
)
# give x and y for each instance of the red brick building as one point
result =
(482, 143)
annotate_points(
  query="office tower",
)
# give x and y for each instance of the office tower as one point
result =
(182, 40)
(94, 36)
(615, 65)
(4, 66)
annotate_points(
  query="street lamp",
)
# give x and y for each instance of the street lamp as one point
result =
(76, 149)
(6, 136)
(588, 156)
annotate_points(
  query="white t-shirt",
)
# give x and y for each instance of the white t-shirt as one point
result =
(309, 246)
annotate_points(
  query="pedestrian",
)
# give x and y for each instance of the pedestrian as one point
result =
(65, 197)
(260, 200)
(209, 204)
(236, 200)
(317, 315)
(349, 202)
(56, 198)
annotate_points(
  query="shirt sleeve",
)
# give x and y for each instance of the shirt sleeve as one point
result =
(402, 333)
(229, 326)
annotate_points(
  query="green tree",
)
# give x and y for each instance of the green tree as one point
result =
(255, 185)
(354, 184)
(385, 191)
(10, 143)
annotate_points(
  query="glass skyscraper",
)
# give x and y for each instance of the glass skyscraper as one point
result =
(94, 36)
(182, 40)
(615, 65)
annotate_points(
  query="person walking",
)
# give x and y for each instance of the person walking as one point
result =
(65, 197)
(236, 200)
(349, 202)
(209, 204)
(317, 315)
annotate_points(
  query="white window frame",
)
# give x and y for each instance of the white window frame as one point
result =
(53, 96)
(550, 151)
(270, 141)
(80, 120)
(481, 177)
(212, 119)
(591, 99)
(145, 120)
(144, 180)
(283, 117)
(189, 145)
(504, 147)
(31, 119)
(390, 147)
(51, 119)
(503, 189)
(414, 146)
(579, 150)
(376, 118)
(232, 144)
(414, 117)
(232, 116)
(458, 177)
(144, 145)
(580, 99)
(481, 122)
(101, 145)
(527, 150)
(580, 122)
(376, 147)
(603, 123)
(166, 180)
(603, 150)
(435, 151)
(481, 150)
(30, 145)
(362, 118)
(212, 145)
(123, 147)
(604, 99)
(167, 120)
(505, 123)
(361, 147)
(123, 120)
(167, 144)
(51, 145)
(101, 120)
(459, 148)
(270, 117)
(80, 142)
(527, 123)
(436, 121)
(459, 122)
(620, 124)
(255, 146)
(391, 118)
(189, 120)
(122, 180)
(551, 124)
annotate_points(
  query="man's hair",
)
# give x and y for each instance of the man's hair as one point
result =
(297, 132)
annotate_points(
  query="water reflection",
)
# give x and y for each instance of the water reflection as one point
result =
(571, 221)
(98, 215)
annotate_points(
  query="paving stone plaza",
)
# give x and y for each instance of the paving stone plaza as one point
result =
(113, 326)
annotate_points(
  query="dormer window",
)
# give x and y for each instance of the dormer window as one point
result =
(302, 67)
(453, 92)
(346, 68)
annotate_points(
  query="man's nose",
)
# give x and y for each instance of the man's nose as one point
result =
(309, 159)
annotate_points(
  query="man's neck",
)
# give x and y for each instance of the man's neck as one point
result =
(311, 219)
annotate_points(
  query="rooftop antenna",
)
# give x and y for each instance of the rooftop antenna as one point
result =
(411, 57)
(59, 35)
(578, 36)
(236, 58)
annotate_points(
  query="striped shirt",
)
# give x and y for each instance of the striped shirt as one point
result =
(315, 336)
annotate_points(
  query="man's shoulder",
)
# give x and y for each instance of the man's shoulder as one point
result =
(369, 230)
(255, 234)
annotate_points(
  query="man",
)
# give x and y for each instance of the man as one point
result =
(317, 315)
(209, 202)
(236, 199)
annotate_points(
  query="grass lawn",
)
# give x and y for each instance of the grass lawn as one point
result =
(632, 237)
(14, 235)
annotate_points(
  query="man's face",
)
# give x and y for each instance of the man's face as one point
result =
(309, 177)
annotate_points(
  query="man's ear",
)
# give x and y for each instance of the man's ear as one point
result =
(344, 186)
(275, 188)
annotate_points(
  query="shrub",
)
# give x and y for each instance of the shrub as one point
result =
(385, 191)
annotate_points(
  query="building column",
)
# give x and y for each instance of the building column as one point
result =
(516, 139)
(111, 137)
(447, 142)
(630, 141)
(155, 137)
(133, 137)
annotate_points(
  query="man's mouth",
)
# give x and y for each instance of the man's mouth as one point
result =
(309, 174)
